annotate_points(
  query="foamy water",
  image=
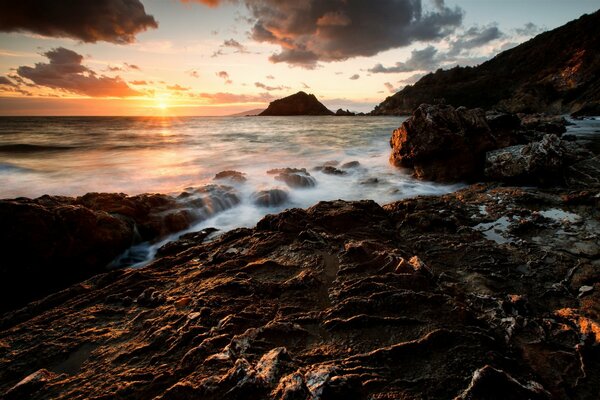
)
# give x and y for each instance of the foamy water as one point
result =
(73, 156)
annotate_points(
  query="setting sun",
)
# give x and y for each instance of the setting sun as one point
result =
(162, 105)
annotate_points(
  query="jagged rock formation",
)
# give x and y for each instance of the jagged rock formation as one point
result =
(486, 293)
(300, 103)
(51, 242)
(556, 72)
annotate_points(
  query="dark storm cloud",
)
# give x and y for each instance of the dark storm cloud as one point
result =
(65, 72)
(115, 21)
(334, 30)
(426, 59)
(473, 37)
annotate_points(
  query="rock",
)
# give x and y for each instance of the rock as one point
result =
(348, 300)
(441, 143)
(29, 385)
(234, 176)
(270, 198)
(344, 113)
(294, 177)
(296, 104)
(548, 124)
(537, 162)
(350, 164)
(330, 170)
(584, 174)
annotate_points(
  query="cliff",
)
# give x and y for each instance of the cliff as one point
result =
(556, 72)
(300, 103)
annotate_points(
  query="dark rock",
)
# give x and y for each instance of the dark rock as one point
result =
(296, 104)
(270, 198)
(344, 113)
(585, 173)
(532, 77)
(293, 177)
(234, 176)
(538, 162)
(441, 143)
(547, 124)
(330, 170)
(350, 164)
(348, 300)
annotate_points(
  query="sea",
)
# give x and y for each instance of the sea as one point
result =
(75, 155)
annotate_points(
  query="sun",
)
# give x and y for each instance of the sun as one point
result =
(162, 105)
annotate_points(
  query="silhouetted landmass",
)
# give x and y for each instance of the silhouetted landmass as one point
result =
(251, 113)
(555, 72)
(300, 103)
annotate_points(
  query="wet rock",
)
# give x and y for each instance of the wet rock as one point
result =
(294, 177)
(270, 198)
(330, 170)
(234, 176)
(441, 143)
(344, 300)
(29, 385)
(350, 164)
(537, 162)
(548, 124)
(585, 173)
(489, 383)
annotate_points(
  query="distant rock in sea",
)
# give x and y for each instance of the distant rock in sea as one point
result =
(249, 113)
(300, 103)
(556, 72)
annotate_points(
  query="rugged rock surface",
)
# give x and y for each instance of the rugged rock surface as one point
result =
(537, 162)
(441, 143)
(300, 103)
(485, 293)
(556, 72)
(294, 177)
(51, 242)
(344, 113)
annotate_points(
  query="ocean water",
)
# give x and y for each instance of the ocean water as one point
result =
(76, 155)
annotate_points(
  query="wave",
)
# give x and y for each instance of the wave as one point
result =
(32, 148)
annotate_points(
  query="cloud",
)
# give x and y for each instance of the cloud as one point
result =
(270, 77)
(232, 43)
(115, 21)
(225, 76)
(228, 98)
(529, 29)
(413, 78)
(426, 59)
(311, 31)
(304, 85)
(355, 77)
(390, 87)
(270, 88)
(194, 74)
(177, 88)
(473, 37)
(5, 81)
(65, 72)
(138, 83)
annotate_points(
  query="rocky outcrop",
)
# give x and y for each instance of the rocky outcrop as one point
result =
(556, 72)
(441, 143)
(300, 103)
(344, 113)
(293, 177)
(51, 242)
(486, 293)
(537, 162)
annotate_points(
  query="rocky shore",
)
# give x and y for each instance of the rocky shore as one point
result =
(491, 292)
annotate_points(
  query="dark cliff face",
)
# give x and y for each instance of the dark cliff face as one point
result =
(557, 72)
(300, 103)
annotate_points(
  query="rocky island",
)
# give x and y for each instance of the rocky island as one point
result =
(300, 103)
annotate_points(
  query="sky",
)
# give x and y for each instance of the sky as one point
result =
(219, 57)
